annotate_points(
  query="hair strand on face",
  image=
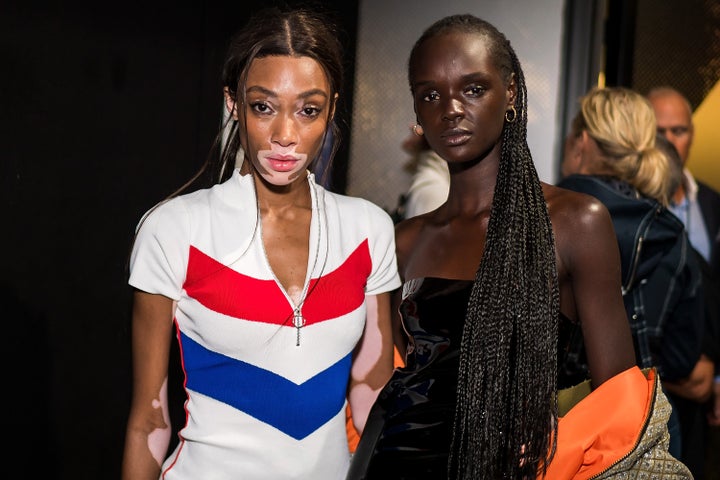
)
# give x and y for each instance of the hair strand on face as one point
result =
(283, 31)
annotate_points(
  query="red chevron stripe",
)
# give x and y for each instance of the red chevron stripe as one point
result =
(223, 290)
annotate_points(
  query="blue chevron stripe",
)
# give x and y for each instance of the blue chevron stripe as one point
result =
(297, 410)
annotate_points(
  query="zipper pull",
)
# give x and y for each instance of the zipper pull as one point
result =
(298, 322)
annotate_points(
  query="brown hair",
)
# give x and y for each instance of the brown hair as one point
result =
(284, 31)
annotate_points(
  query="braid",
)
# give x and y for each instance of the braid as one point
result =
(506, 413)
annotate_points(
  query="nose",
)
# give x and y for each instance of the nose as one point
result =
(453, 109)
(284, 131)
(673, 138)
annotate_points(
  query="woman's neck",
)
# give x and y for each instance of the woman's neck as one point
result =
(280, 198)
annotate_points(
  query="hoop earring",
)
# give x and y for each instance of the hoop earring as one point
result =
(511, 118)
(418, 130)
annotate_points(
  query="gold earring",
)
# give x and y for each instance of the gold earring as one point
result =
(511, 118)
(418, 130)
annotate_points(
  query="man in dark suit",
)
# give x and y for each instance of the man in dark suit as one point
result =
(697, 205)
(674, 122)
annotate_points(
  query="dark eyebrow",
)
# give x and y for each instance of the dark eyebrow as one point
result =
(674, 127)
(475, 76)
(314, 91)
(263, 90)
(417, 85)
(270, 93)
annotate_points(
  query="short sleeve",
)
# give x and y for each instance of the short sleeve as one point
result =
(158, 262)
(384, 276)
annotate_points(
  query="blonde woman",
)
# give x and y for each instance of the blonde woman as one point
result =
(614, 135)
(611, 154)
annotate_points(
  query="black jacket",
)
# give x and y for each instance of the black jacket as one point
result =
(661, 281)
(709, 201)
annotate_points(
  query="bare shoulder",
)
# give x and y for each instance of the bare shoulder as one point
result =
(582, 228)
(575, 212)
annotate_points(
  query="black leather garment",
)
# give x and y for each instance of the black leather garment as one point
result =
(409, 430)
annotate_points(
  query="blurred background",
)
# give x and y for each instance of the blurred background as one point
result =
(108, 108)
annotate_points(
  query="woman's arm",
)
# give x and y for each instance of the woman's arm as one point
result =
(592, 257)
(373, 359)
(148, 427)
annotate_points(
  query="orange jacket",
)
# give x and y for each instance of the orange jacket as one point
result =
(602, 427)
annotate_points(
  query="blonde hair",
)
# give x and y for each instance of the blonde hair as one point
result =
(622, 123)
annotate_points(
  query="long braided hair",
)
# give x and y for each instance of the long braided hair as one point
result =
(506, 413)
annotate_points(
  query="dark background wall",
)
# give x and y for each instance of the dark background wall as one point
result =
(105, 108)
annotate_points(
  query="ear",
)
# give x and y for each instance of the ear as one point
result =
(230, 103)
(572, 155)
(333, 108)
(581, 144)
(511, 91)
(584, 141)
(586, 150)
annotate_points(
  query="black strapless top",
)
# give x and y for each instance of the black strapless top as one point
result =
(409, 430)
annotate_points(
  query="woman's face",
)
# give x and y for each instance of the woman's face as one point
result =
(286, 113)
(459, 95)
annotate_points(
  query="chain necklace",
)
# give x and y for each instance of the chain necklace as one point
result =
(298, 320)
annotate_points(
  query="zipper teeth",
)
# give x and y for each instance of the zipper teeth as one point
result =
(315, 215)
(646, 421)
(277, 281)
(636, 262)
(638, 249)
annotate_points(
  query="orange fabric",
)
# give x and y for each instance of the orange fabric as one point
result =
(352, 434)
(353, 437)
(602, 427)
